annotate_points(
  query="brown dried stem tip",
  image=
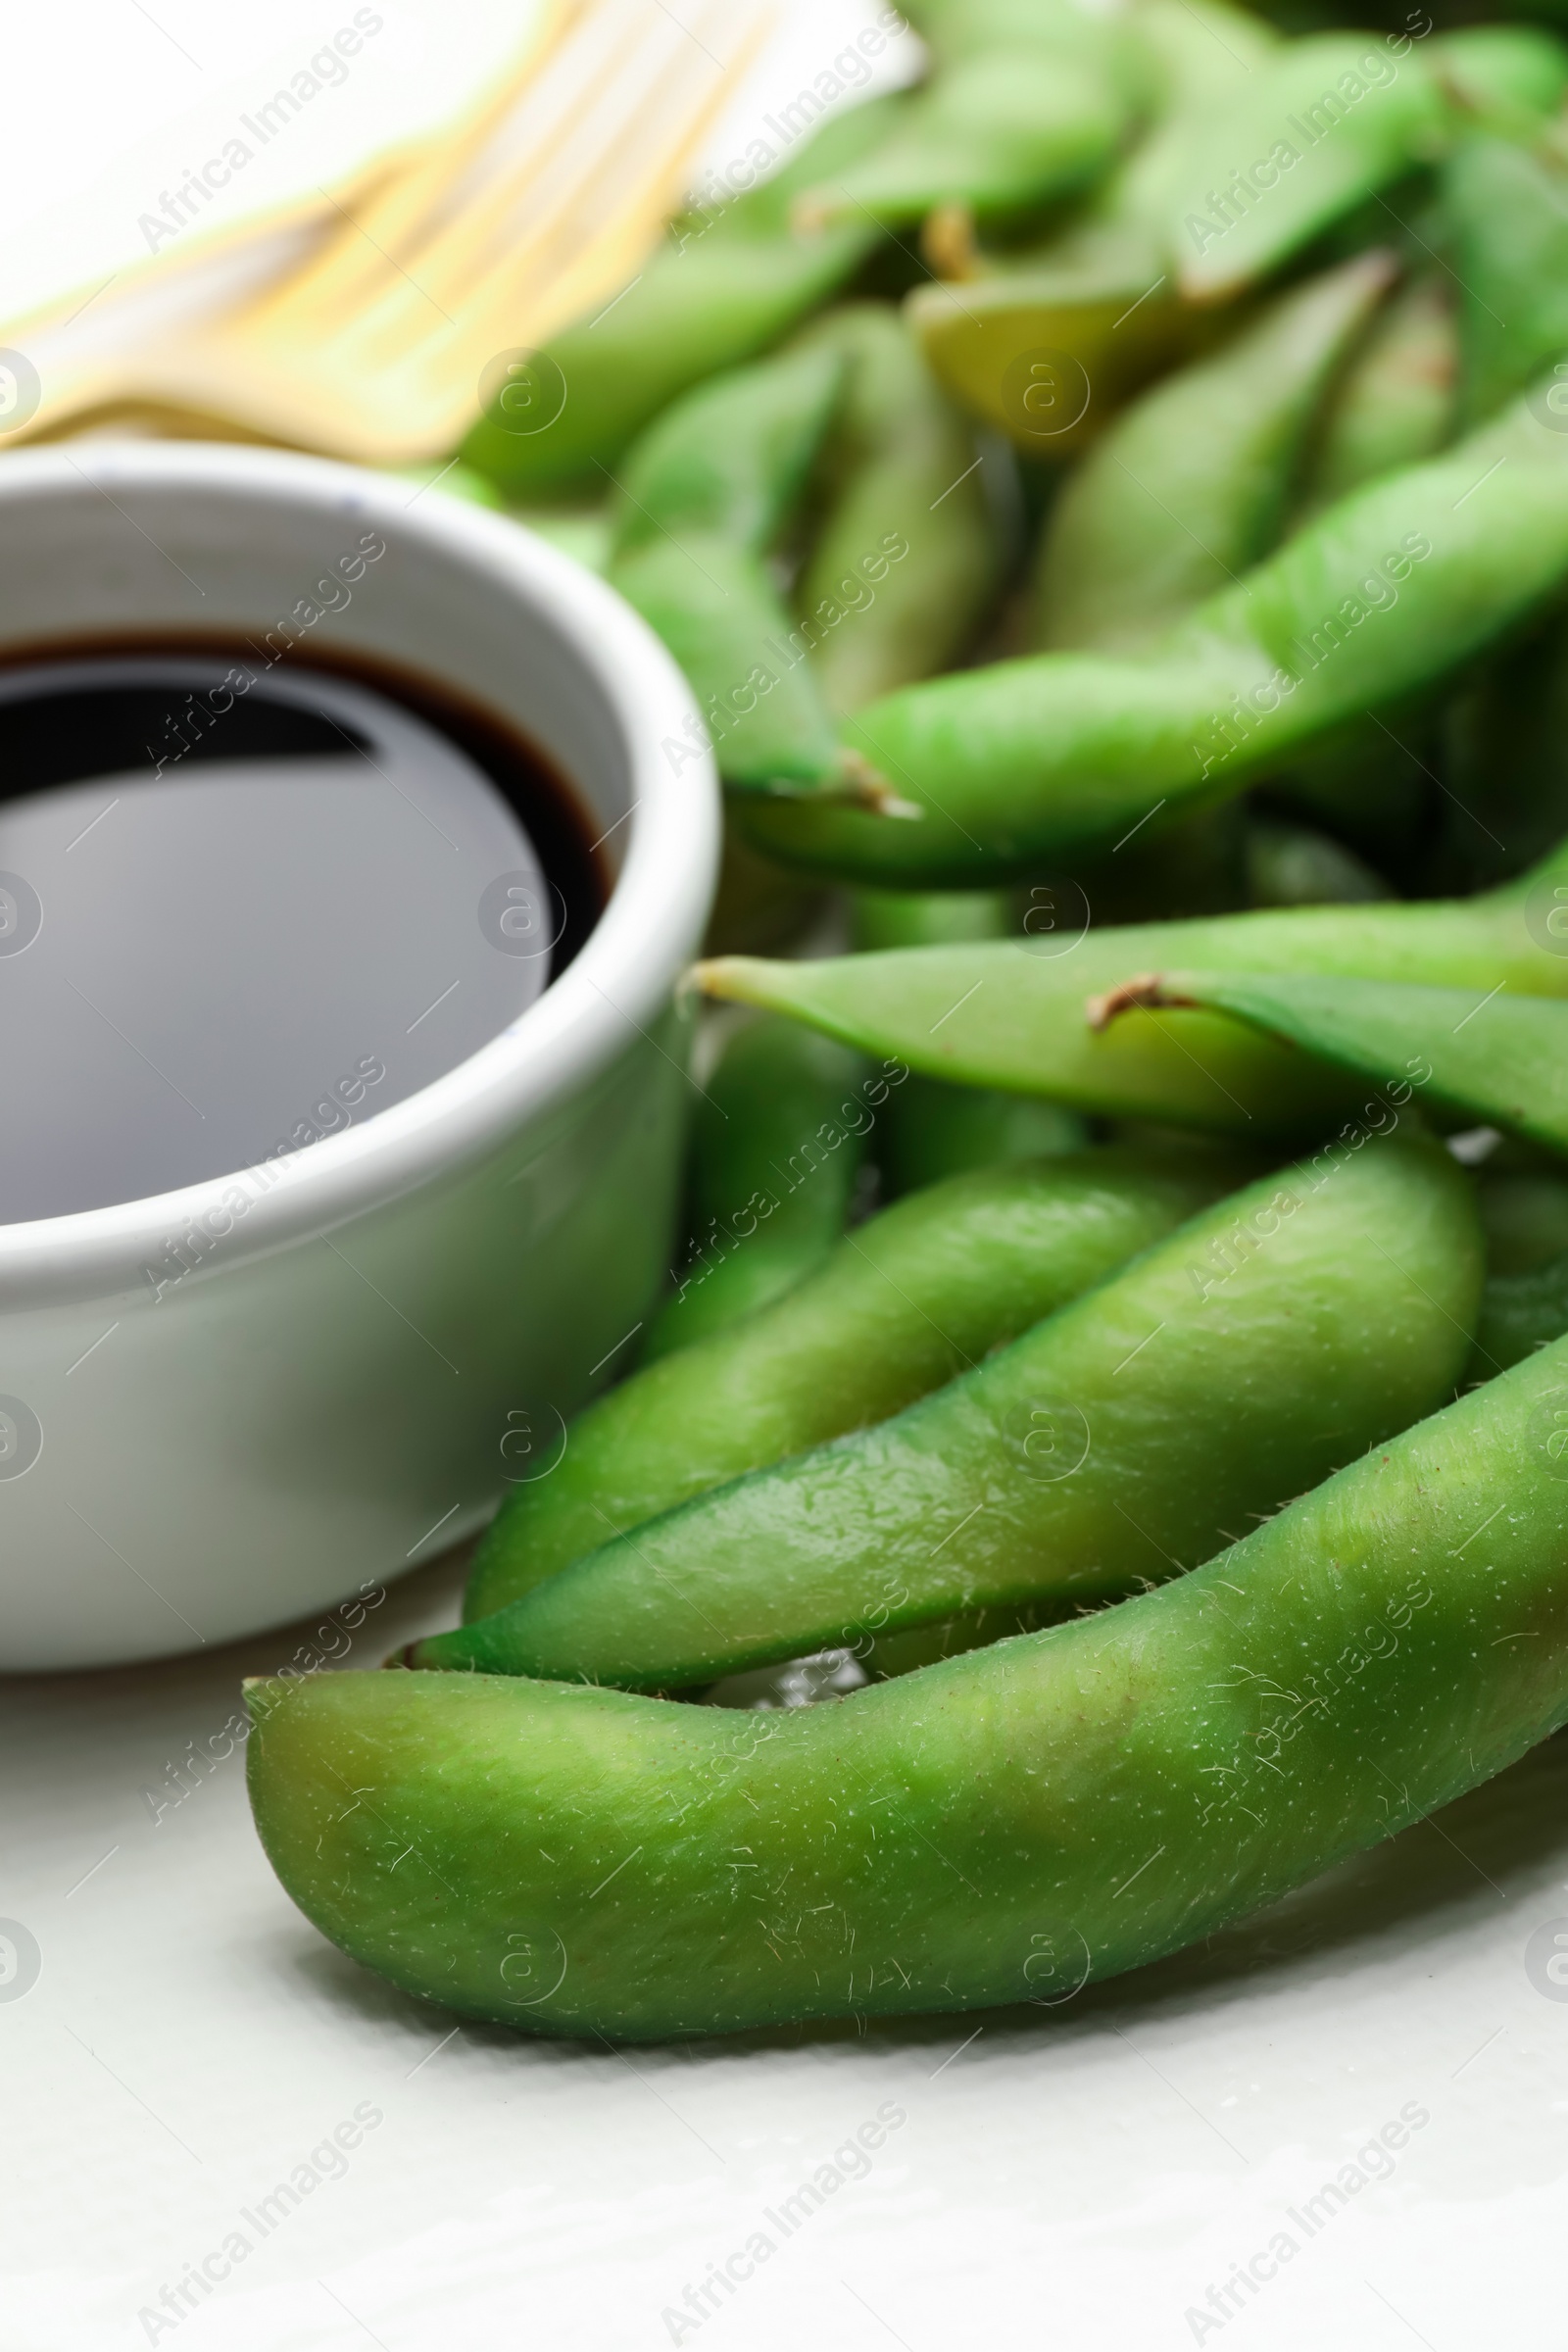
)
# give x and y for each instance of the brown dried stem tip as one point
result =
(867, 788)
(947, 243)
(813, 211)
(853, 783)
(1146, 991)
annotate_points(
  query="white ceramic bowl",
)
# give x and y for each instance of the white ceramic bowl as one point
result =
(399, 1318)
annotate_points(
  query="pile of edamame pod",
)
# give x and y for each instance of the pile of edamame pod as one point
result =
(1103, 1458)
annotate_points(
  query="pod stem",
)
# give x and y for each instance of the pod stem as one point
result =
(853, 783)
(813, 211)
(949, 245)
(1143, 992)
(867, 788)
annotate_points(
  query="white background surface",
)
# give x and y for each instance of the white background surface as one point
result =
(1067, 2180)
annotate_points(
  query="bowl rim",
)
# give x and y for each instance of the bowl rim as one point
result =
(615, 986)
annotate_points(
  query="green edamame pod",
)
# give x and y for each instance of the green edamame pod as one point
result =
(931, 1130)
(1045, 355)
(706, 492)
(1189, 486)
(731, 459)
(1497, 1060)
(1027, 101)
(908, 555)
(1201, 49)
(1397, 403)
(1121, 1440)
(881, 1656)
(1512, 77)
(1507, 206)
(1520, 1314)
(1380, 595)
(1010, 1013)
(1205, 55)
(917, 1293)
(1001, 1827)
(1326, 122)
(733, 279)
(1185, 488)
(776, 1147)
(1046, 349)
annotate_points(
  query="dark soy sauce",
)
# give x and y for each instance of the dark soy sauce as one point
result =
(242, 908)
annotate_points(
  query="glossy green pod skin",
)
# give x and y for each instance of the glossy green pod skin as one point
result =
(1027, 100)
(776, 1147)
(1057, 755)
(1188, 488)
(705, 493)
(1270, 1339)
(1010, 1014)
(1495, 1061)
(1397, 401)
(1001, 1827)
(908, 554)
(915, 1294)
(931, 1130)
(1326, 123)
(732, 280)
(1507, 207)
